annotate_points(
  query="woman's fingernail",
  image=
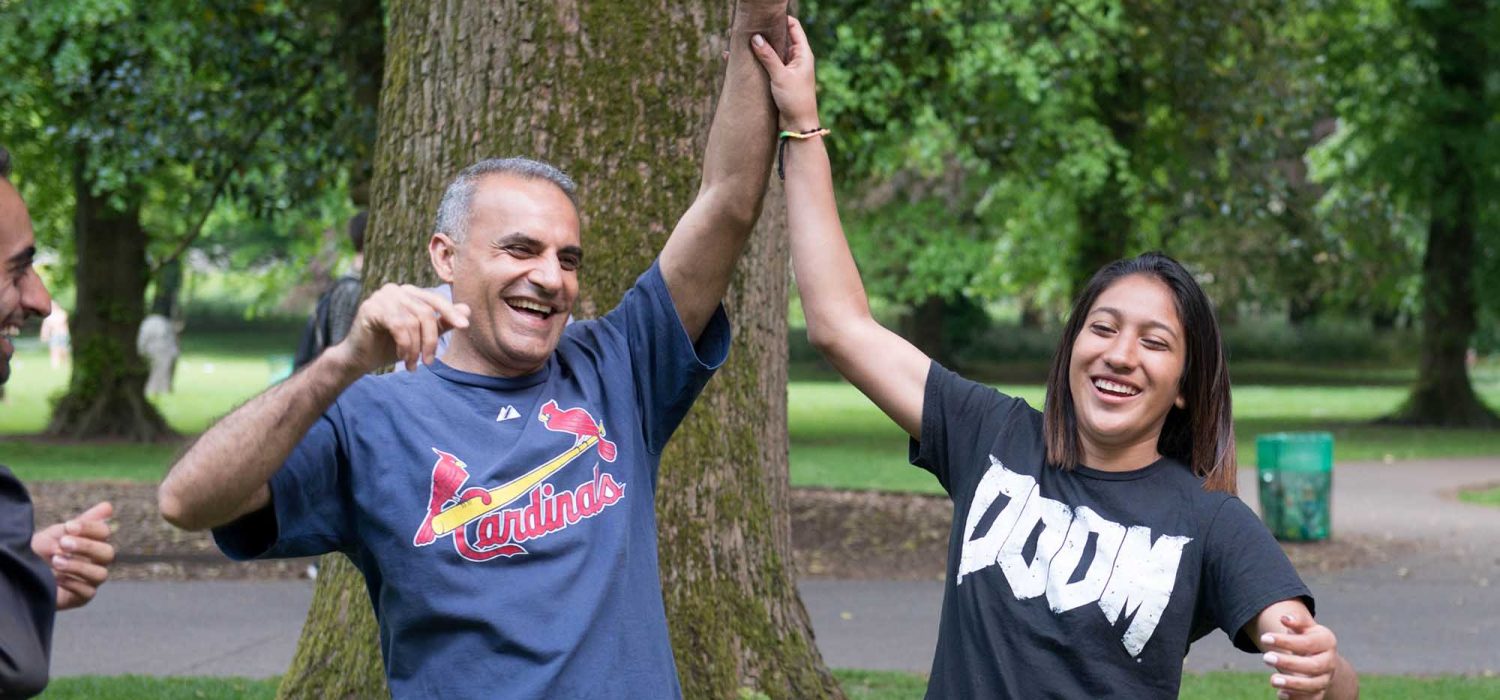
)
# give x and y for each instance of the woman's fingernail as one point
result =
(68, 543)
(757, 40)
(59, 560)
(1270, 659)
(1283, 695)
(1278, 681)
(1267, 639)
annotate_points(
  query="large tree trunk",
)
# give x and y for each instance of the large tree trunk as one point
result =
(1105, 222)
(620, 96)
(1443, 394)
(106, 395)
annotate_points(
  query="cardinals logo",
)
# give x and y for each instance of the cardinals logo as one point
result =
(498, 530)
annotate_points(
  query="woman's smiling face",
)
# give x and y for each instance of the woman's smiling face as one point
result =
(1126, 372)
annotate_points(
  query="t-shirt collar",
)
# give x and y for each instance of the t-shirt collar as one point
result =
(1161, 463)
(458, 376)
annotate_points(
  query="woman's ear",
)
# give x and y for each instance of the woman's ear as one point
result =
(1181, 402)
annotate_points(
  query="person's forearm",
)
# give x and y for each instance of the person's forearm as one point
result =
(742, 137)
(827, 279)
(701, 253)
(1345, 685)
(225, 473)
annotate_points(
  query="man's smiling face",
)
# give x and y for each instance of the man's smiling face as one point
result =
(22, 293)
(517, 269)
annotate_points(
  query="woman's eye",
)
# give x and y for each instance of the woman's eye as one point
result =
(1102, 329)
(1154, 344)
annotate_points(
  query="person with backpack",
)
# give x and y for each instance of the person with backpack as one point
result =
(336, 307)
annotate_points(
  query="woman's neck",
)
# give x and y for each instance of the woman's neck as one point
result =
(1120, 458)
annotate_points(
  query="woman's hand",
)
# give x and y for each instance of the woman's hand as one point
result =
(793, 83)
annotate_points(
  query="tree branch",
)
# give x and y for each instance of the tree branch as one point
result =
(223, 182)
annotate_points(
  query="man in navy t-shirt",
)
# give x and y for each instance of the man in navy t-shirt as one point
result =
(499, 502)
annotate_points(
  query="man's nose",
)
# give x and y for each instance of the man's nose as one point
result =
(546, 273)
(34, 297)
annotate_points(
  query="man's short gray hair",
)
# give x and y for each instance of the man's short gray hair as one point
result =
(453, 210)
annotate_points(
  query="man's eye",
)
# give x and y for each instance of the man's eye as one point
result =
(571, 264)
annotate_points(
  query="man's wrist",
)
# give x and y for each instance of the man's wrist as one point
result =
(342, 363)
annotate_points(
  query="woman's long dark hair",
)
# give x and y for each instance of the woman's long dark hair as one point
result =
(1200, 435)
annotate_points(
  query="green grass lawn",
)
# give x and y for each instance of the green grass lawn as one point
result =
(858, 685)
(838, 438)
(1485, 497)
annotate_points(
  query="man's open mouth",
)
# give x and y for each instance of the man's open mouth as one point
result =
(531, 308)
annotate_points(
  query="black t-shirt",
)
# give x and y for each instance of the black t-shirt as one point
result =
(28, 597)
(1079, 583)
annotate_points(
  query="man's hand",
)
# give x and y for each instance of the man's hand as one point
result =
(1305, 658)
(80, 554)
(793, 83)
(399, 322)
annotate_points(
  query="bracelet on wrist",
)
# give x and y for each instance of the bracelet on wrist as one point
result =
(784, 136)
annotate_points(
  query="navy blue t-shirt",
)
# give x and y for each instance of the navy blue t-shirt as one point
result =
(1079, 583)
(505, 526)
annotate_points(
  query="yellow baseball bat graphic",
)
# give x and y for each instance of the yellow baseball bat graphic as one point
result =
(500, 496)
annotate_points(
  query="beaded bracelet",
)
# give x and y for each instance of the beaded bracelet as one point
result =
(781, 139)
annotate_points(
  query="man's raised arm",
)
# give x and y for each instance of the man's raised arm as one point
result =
(700, 255)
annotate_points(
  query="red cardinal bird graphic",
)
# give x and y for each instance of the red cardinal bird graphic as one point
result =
(579, 423)
(448, 476)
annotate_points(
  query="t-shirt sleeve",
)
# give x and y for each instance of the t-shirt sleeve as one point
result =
(28, 597)
(956, 414)
(670, 370)
(311, 509)
(1245, 572)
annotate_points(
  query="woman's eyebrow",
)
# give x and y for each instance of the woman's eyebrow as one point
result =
(1149, 323)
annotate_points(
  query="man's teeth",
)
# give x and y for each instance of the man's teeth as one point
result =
(526, 305)
(1108, 385)
(10, 331)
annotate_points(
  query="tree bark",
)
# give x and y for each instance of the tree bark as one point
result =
(1443, 394)
(106, 393)
(621, 96)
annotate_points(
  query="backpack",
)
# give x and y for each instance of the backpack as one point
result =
(319, 331)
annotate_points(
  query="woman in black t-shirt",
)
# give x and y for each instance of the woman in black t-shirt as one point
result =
(1094, 537)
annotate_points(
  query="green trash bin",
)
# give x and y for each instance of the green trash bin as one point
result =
(280, 367)
(1296, 478)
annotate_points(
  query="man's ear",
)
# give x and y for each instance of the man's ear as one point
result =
(442, 250)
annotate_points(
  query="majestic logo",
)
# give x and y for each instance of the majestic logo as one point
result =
(507, 413)
(497, 530)
(1128, 574)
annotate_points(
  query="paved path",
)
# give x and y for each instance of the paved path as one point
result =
(1435, 609)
